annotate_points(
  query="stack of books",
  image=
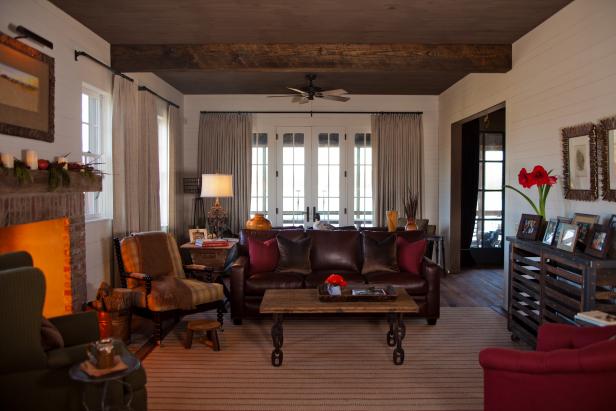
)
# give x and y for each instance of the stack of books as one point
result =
(211, 243)
(595, 318)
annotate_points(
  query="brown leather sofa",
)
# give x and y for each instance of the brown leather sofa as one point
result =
(338, 252)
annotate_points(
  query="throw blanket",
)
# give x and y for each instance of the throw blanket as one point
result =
(151, 254)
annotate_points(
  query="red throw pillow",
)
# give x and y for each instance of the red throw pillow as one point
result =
(263, 255)
(410, 254)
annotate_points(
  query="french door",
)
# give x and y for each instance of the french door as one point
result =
(311, 176)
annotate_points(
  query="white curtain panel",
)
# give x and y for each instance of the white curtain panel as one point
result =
(175, 173)
(125, 151)
(397, 153)
(224, 148)
(149, 186)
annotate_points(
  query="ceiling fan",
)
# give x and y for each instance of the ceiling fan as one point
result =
(308, 93)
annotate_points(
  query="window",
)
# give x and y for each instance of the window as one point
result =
(362, 190)
(163, 169)
(93, 146)
(260, 168)
(489, 218)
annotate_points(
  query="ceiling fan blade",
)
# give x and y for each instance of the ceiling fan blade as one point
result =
(300, 100)
(336, 98)
(297, 90)
(335, 92)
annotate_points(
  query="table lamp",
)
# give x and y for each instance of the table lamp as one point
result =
(217, 186)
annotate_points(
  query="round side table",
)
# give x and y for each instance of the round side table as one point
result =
(133, 364)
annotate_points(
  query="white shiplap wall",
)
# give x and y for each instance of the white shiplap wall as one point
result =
(564, 73)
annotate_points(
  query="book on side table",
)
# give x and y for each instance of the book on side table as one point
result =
(595, 318)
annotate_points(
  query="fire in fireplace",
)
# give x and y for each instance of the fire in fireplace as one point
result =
(49, 244)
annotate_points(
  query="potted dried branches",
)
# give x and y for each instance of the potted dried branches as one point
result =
(114, 311)
(410, 209)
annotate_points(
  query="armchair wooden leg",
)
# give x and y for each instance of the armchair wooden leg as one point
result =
(158, 328)
(220, 311)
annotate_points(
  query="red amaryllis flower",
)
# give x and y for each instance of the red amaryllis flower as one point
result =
(336, 279)
(552, 180)
(525, 179)
(540, 176)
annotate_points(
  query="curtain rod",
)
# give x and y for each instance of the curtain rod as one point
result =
(100, 63)
(313, 112)
(171, 103)
(79, 53)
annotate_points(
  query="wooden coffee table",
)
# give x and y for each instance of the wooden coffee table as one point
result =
(306, 301)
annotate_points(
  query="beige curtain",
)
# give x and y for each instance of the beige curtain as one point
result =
(149, 186)
(125, 151)
(175, 172)
(397, 153)
(224, 148)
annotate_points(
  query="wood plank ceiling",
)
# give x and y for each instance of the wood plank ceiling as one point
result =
(262, 46)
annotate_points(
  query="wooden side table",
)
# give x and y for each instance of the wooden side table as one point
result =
(210, 260)
(208, 326)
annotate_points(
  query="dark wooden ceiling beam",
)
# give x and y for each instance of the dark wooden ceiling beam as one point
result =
(283, 57)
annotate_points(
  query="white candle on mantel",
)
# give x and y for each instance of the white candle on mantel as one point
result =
(31, 159)
(62, 160)
(7, 160)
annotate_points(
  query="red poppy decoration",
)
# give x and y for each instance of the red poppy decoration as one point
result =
(544, 182)
(336, 279)
(540, 176)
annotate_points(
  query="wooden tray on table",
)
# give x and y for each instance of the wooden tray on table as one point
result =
(369, 294)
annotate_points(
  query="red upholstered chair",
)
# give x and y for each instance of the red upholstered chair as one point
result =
(573, 369)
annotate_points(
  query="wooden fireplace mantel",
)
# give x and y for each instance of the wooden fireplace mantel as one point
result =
(79, 183)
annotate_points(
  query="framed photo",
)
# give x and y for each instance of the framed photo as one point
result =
(580, 165)
(568, 237)
(606, 142)
(26, 91)
(197, 234)
(550, 232)
(599, 241)
(530, 227)
(559, 227)
(585, 221)
(612, 225)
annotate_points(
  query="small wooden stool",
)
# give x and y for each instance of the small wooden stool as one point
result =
(209, 326)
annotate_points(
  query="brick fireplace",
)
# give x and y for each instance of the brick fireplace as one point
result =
(32, 202)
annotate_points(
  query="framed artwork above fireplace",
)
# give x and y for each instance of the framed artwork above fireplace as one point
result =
(26, 91)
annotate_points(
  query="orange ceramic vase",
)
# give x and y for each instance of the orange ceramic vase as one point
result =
(411, 224)
(258, 222)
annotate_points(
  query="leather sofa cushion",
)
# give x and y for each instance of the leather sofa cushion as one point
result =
(413, 283)
(410, 254)
(316, 278)
(335, 250)
(380, 255)
(256, 284)
(263, 255)
(294, 255)
(264, 235)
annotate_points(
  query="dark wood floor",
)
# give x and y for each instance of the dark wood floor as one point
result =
(473, 288)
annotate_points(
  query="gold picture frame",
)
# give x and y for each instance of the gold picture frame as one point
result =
(197, 234)
(26, 91)
(580, 168)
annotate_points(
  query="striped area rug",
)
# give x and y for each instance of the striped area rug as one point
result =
(340, 363)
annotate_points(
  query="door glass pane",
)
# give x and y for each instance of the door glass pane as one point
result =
(362, 173)
(260, 167)
(293, 184)
(492, 234)
(493, 204)
(328, 177)
(494, 176)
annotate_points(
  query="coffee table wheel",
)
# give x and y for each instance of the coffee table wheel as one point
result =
(398, 356)
(277, 358)
(391, 340)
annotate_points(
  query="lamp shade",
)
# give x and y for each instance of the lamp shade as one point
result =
(216, 185)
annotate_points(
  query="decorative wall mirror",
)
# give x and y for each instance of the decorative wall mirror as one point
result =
(606, 139)
(580, 162)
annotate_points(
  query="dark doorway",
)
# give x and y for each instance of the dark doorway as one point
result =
(482, 195)
(477, 175)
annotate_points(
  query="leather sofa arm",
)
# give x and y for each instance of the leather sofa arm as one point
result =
(599, 357)
(239, 269)
(79, 328)
(432, 272)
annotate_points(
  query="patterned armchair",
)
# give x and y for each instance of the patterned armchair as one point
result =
(151, 266)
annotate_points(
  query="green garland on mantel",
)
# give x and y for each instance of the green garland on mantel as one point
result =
(58, 175)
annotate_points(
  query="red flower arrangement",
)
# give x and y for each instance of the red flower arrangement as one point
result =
(544, 182)
(336, 279)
